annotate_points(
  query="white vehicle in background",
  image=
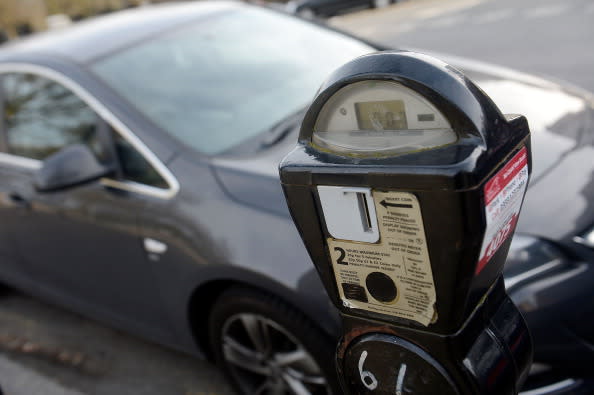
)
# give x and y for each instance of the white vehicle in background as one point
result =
(58, 21)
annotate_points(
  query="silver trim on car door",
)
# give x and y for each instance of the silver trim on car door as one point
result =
(20, 161)
(109, 117)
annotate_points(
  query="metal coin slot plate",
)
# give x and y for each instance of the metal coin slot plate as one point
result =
(349, 213)
(400, 255)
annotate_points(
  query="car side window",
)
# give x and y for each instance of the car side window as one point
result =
(134, 166)
(41, 117)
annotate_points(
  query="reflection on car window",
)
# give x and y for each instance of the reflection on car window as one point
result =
(134, 166)
(41, 117)
(220, 81)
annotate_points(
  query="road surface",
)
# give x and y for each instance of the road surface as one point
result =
(545, 37)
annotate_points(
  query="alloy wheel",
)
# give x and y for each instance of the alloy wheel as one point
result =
(266, 358)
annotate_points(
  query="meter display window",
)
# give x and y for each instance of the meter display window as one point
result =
(381, 115)
(380, 118)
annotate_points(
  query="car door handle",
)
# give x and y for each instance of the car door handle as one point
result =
(18, 200)
(153, 246)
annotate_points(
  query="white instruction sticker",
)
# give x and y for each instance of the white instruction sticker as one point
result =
(503, 199)
(394, 276)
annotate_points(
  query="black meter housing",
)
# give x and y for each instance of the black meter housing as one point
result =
(412, 152)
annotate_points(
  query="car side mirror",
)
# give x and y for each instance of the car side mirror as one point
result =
(70, 166)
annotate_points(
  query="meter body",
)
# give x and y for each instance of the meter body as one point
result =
(406, 185)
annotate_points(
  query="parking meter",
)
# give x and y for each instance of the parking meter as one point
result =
(406, 185)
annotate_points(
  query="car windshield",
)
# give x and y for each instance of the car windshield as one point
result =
(216, 83)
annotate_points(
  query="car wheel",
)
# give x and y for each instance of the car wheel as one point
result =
(265, 346)
(306, 13)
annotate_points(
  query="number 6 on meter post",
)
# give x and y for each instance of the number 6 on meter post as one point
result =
(406, 185)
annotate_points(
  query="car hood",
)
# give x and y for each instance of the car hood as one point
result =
(559, 203)
(561, 118)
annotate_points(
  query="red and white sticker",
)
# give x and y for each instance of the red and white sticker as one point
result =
(503, 200)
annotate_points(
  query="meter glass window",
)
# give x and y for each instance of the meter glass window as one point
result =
(379, 118)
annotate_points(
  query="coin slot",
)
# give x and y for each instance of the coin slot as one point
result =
(364, 210)
(349, 213)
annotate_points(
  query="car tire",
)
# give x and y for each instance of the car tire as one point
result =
(265, 346)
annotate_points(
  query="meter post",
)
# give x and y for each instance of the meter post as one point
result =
(406, 185)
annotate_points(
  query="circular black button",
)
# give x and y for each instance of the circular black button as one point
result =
(381, 287)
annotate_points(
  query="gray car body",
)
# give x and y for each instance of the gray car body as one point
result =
(224, 220)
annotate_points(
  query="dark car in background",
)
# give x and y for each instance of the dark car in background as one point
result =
(326, 8)
(139, 186)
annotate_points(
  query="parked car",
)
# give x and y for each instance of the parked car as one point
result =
(139, 186)
(325, 8)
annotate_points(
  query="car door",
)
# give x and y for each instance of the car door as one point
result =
(12, 208)
(80, 245)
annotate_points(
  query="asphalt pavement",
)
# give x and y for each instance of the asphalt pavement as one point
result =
(46, 350)
(546, 37)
